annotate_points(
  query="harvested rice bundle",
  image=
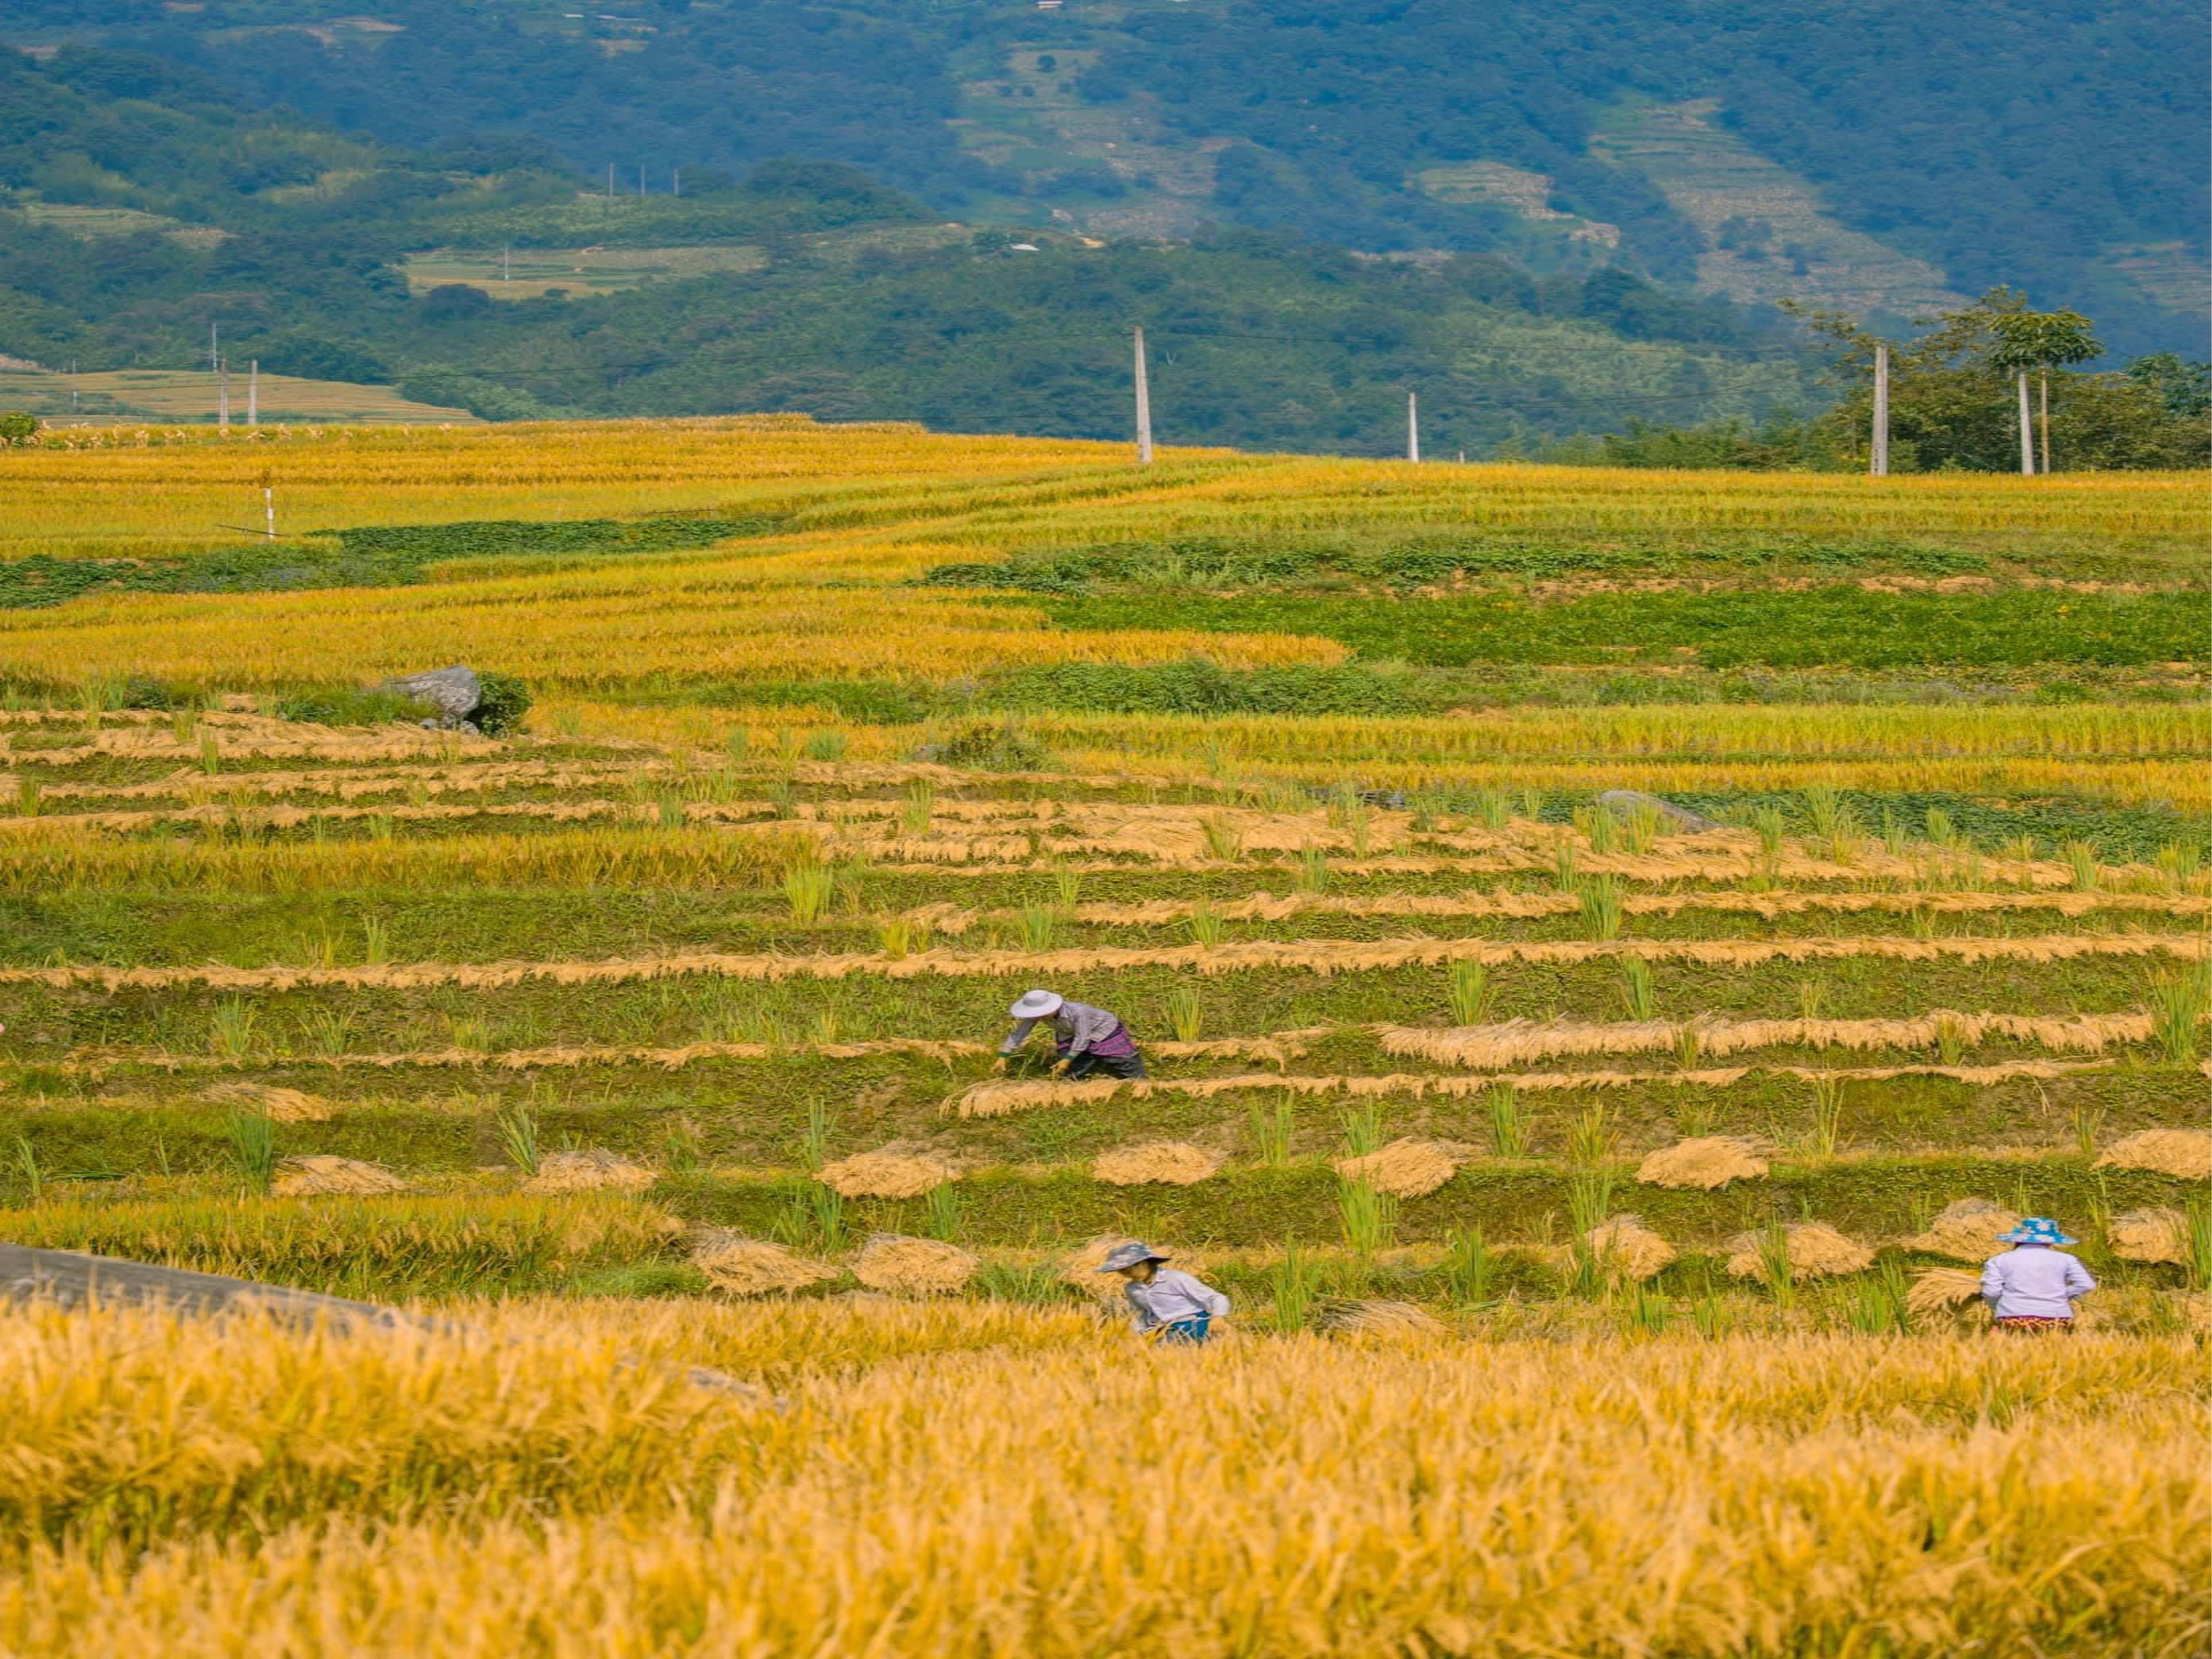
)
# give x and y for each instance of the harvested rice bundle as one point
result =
(2151, 1234)
(591, 1169)
(1706, 1162)
(1966, 1231)
(1941, 1288)
(912, 1266)
(1815, 1250)
(2184, 1152)
(1397, 1321)
(1625, 1247)
(280, 1105)
(889, 1172)
(750, 1267)
(318, 1174)
(1174, 1162)
(1081, 1267)
(1404, 1168)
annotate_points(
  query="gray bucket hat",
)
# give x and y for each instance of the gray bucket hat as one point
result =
(1036, 1004)
(1128, 1255)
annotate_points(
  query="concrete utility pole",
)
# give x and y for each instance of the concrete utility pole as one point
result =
(610, 181)
(641, 178)
(222, 394)
(506, 263)
(675, 182)
(1144, 405)
(254, 392)
(1878, 451)
(2044, 383)
(268, 506)
(1412, 426)
(2026, 431)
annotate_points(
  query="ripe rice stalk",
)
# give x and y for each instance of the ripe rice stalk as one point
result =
(516, 1125)
(2160, 1234)
(1625, 1248)
(1171, 1163)
(1942, 1290)
(1966, 1231)
(278, 1105)
(1406, 1168)
(912, 1266)
(1807, 1249)
(1080, 1268)
(750, 1267)
(1705, 1163)
(2179, 1004)
(893, 1171)
(588, 1169)
(807, 889)
(2183, 1153)
(319, 1174)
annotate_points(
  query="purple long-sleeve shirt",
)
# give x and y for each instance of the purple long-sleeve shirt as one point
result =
(2034, 1281)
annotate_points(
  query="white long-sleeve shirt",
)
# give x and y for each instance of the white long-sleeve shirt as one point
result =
(2034, 1281)
(1171, 1298)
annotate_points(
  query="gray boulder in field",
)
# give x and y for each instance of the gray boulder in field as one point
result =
(454, 692)
(1678, 819)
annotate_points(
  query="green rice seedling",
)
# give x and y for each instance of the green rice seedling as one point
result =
(1639, 993)
(1696, 1115)
(2198, 1267)
(1920, 922)
(2088, 1129)
(1877, 1305)
(1207, 926)
(738, 745)
(1313, 870)
(1689, 1045)
(2081, 861)
(1641, 829)
(1711, 1315)
(807, 889)
(814, 1140)
(231, 1027)
(1827, 1114)
(1185, 1016)
(943, 1206)
(1950, 1040)
(1039, 923)
(919, 808)
(1644, 1311)
(183, 725)
(825, 746)
(1893, 833)
(1423, 809)
(1824, 810)
(1468, 1267)
(901, 937)
(1601, 907)
(1067, 889)
(782, 800)
(1774, 1265)
(1939, 829)
(829, 1028)
(470, 1031)
(1841, 843)
(1770, 826)
(29, 794)
(2177, 1006)
(1811, 996)
(325, 1032)
(1029, 1283)
(1493, 809)
(1589, 1138)
(1363, 1131)
(680, 1151)
(254, 1145)
(1509, 1127)
(1369, 1219)
(1599, 827)
(1294, 1286)
(1564, 876)
(28, 1165)
(1590, 1201)
(1345, 803)
(516, 1125)
(2020, 849)
(2179, 864)
(381, 827)
(211, 754)
(1360, 823)
(1271, 1130)
(1222, 839)
(1471, 992)
(668, 809)
(1532, 804)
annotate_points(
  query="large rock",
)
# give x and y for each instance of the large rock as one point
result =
(454, 692)
(1680, 820)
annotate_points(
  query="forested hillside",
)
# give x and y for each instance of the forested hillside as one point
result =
(2053, 147)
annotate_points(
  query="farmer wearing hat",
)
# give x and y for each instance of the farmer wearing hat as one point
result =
(1089, 1039)
(1168, 1302)
(2034, 1285)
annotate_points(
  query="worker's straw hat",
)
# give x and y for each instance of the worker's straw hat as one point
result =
(1036, 1004)
(2035, 1230)
(1128, 1255)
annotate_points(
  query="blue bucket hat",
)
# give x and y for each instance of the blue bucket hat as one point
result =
(1128, 1255)
(2035, 1230)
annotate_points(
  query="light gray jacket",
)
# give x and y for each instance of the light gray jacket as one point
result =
(1171, 1298)
(2034, 1280)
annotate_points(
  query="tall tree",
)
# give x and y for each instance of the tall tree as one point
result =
(2042, 340)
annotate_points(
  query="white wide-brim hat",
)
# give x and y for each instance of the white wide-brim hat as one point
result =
(1036, 1004)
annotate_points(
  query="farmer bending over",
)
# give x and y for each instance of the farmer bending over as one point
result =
(1089, 1039)
(2034, 1287)
(1172, 1303)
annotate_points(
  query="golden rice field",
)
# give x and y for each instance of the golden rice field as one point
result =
(1600, 1198)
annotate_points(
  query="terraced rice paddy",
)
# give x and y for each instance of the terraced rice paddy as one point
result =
(1585, 1185)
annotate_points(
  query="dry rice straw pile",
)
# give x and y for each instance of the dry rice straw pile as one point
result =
(1404, 1168)
(1624, 1246)
(749, 1266)
(1705, 1162)
(1396, 1321)
(318, 1175)
(1173, 1163)
(2152, 1235)
(281, 1105)
(1816, 1250)
(590, 1170)
(1081, 1267)
(912, 1266)
(2186, 1153)
(890, 1172)
(1966, 1231)
(1940, 1288)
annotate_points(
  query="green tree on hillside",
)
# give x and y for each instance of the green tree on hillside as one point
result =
(2038, 340)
